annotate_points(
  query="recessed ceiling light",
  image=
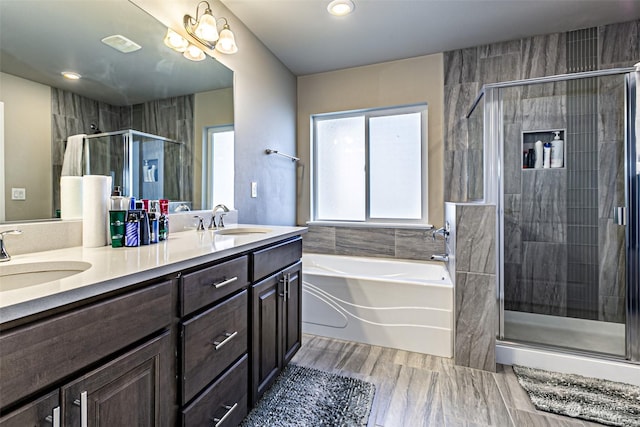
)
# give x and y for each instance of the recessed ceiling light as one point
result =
(71, 75)
(341, 7)
(121, 43)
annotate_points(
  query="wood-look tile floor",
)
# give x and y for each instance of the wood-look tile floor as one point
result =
(414, 389)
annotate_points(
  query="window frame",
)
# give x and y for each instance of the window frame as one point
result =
(207, 173)
(423, 221)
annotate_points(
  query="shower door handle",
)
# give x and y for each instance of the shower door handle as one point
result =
(620, 215)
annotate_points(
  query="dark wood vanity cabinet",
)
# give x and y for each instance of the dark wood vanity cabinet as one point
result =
(276, 313)
(214, 344)
(196, 349)
(107, 363)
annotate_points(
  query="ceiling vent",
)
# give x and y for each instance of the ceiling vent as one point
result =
(121, 43)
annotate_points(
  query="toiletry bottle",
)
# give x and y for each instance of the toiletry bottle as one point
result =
(115, 203)
(532, 158)
(539, 155)
(525, 160)
(547, 155)
(557, 151)
(153, 222)
(163, 221)
(132, 230)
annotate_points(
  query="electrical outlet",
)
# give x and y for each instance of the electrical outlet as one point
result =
(254, 189)
(18, 194)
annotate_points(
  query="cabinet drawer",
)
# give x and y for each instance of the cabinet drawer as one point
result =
(210, 284)
(274, 258)
(36, 355)
(211, 342)
(35, 413)
(227, 397)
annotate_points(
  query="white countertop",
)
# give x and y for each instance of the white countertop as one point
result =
(115, 268)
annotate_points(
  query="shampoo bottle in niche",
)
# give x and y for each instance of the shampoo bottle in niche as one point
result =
(547, 155)
(557, 151)
(538, 155)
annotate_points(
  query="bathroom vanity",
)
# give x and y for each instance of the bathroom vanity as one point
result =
(189, 332)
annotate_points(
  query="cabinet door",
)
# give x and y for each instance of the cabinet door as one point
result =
(43, 412)
(292, 312)
(266, 338)
(132, 390)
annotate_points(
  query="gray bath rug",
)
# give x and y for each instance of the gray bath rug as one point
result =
(592, 399)
(308, 397)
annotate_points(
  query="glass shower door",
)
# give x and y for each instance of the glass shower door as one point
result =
(563, 252)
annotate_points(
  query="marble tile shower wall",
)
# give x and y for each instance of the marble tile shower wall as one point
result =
(372, 242)
(472, 240)
(537, 232)
(73, 114)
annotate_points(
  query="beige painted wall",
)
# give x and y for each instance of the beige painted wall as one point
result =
(213, 108)
(27, 147)
(387, 84)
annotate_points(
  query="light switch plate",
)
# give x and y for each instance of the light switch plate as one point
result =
(254, 189)
(18, 194)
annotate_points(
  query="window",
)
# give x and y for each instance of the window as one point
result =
(218, 167)
(370, 166)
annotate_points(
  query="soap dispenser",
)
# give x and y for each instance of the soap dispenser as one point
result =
(557, 151)
(547, 155)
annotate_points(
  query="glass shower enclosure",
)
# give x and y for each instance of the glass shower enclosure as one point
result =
(568, 229)
(145, 166)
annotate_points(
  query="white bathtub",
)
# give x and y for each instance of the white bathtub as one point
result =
(400, 304)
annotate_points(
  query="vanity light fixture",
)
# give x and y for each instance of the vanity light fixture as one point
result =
(341, 7)
(175, 41)
(194, 53)
(204, 29)
(71, 75)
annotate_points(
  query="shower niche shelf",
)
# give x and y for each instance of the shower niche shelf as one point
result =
(529, 139)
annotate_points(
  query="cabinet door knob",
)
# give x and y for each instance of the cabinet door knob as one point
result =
(224, 282)
(229, 408)
(228, 336)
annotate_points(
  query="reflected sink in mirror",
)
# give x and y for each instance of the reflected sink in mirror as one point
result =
(16, 276)
(242, 230)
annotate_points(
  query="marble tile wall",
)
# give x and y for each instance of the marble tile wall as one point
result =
(533, 228)
(171, 118)
(472, 250)
(372, 242)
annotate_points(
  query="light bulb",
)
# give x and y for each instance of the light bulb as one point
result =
(206, 29)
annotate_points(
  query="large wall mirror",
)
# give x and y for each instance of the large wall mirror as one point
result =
(153, 90)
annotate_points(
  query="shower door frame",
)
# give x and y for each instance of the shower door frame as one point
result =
(493, 137)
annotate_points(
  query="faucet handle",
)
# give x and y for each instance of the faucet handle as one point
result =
(441, 231)
(221, 222)
(200, 224)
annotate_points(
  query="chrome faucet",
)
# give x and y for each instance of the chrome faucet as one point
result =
(440, 257)
(4, 255)
(212, 224)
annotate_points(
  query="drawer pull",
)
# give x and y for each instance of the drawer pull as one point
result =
(82, 403)
(219, 421)
(225, 282)
(228, 336)
(55, 418)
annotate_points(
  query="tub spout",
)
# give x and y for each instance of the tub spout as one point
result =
(440, 257)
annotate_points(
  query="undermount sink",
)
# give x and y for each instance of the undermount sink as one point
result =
(15, 276)
(242, 230)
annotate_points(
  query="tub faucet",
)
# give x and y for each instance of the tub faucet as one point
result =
(440, 257)
(212, 224)
(4, 255)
